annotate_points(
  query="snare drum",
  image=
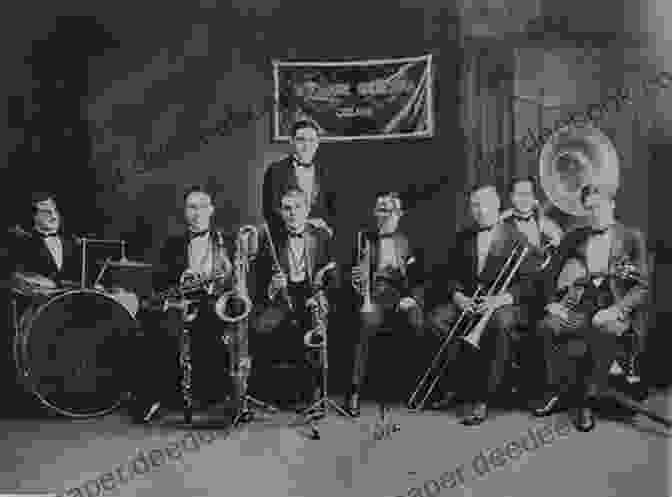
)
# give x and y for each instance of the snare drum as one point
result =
(71, 352)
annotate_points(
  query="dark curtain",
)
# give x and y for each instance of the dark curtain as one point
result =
(487, 84)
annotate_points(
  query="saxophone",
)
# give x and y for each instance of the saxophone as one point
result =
(319, 308)
(246, 238)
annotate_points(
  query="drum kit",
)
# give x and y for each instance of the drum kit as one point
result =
(70, 336)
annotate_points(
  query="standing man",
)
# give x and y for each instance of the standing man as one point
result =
(477, 258)
(612, 305)
(526, 216)
(300, 171)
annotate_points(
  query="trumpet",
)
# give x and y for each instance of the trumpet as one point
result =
(468, 327)
(319, 308)
(364, 261)
(246, 238)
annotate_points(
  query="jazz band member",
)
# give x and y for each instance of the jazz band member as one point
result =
(526, 217)
(286, 267)
(390, 277)
(300, 171)
(199, 252)
(45, 251)
(614, 303)
(477, 257)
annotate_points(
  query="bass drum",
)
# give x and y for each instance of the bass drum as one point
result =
(72, 352)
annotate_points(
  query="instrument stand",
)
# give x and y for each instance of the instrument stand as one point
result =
(324, 403)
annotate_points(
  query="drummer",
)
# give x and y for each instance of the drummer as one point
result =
(44, 250)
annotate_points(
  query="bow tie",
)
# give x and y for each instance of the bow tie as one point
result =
(483, 229)
(520, 217)
(301, 164)
(295, 234)
(198, 234)
(47, 235)
(598, 231)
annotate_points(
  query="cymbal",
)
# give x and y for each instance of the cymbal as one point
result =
(128, 263)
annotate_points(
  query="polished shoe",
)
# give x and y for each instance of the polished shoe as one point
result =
(585, 420)
(547, 406)
(352, 405)
(477, 415)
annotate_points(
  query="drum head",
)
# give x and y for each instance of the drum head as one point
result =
(73, 353)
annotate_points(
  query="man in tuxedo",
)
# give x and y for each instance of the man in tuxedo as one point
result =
(526, 217)
(286, 285)
(200, 251)
(300, 171)
(45, 250)
(396, 286)
(614, 304)
(478, 255)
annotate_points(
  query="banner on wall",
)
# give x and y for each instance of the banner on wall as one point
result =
(356, 100)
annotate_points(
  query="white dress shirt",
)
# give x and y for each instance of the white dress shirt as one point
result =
(306, 180)
(598, 248)
(55, 246)
(200, 254)
(530, 229)
(483, 242)
(387, 254)
(297, 259)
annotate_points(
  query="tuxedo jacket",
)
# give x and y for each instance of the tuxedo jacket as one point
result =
(462, 264)
(174, 258)
(412, 261)
(280, 176)
(30, 254)
(626, 242)
(319, 253)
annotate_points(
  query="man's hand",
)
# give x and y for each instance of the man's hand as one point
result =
(462, 301)
(609, 314)
(406, 303)
(559, 310)
(492, 303)
(318, 222)
(278, 282)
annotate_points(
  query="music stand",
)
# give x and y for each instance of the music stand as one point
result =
(320, 408)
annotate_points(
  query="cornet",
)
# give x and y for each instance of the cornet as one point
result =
(246, 238)
(364, 261)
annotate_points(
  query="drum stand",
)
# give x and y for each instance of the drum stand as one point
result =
(320, 408)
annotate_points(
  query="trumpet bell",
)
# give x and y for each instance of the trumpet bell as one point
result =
(572, 158)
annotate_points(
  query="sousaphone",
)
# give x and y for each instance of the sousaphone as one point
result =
(573, 157)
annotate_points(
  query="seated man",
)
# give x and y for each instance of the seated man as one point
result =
(476, 260)
(45, 250)
(199, 252)
(391, 280)
(595, 303)
(287, 270)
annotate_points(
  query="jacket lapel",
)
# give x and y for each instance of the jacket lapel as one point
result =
(311, 252)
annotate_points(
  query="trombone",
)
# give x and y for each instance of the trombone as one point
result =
(469, 327)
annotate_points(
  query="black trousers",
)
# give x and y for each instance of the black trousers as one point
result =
(478, 373)
(277, 336)
(158, 355)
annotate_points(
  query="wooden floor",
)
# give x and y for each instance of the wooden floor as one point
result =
(270, 458)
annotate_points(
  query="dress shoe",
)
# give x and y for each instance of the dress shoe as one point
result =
(477, 415)
(548, 405)
(352, 405)
(585, 420)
